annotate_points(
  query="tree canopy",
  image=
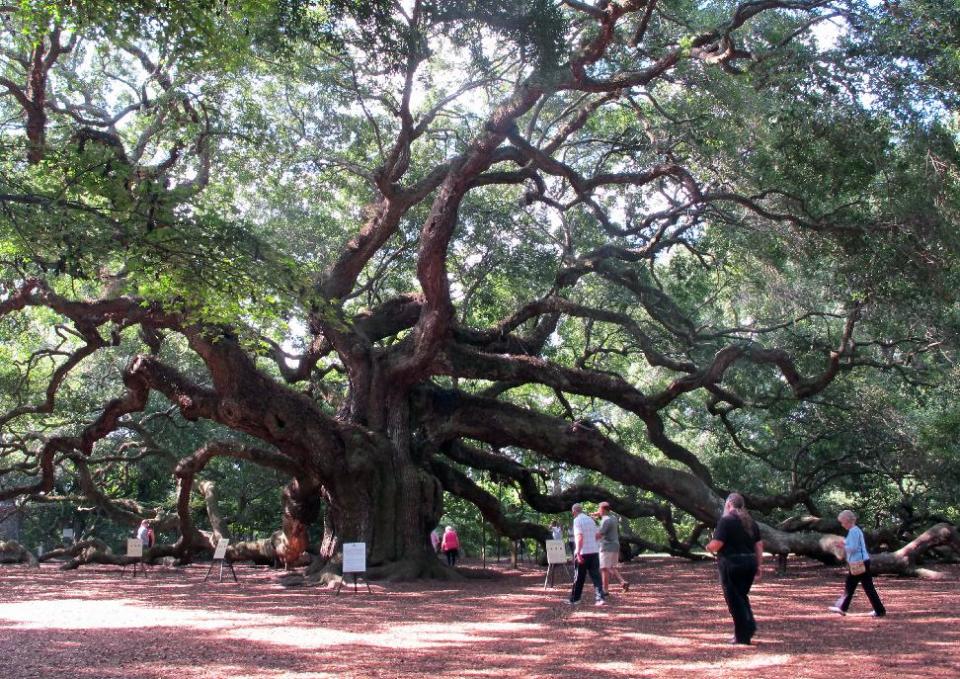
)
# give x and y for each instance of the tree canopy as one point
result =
(642, 251)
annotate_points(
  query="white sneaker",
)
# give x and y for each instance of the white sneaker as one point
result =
(837, 609)
(601, 602)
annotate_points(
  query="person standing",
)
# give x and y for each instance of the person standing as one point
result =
(586, 556)
(450, 545)
(736, 542)
(858, 568)
(143, 532)
(435, 540)
(609, 537)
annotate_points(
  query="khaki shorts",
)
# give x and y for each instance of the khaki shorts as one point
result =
(609, 559)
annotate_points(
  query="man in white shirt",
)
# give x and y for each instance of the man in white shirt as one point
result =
(586, 555)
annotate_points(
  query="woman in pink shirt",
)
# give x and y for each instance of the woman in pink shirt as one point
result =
(450, 545)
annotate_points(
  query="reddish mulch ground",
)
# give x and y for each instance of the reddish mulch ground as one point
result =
(672, 623)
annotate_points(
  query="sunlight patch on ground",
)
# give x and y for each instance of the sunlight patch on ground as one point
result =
(626, 669)
(120, 614)
(662, 640)
(235, 672)
(758, 661)
(396, 636)
(275, 630)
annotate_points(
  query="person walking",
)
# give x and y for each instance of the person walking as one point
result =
(586, 556)
(450, 545)
(435, 540)
(609, 537)
(858, 568)
(736, 542)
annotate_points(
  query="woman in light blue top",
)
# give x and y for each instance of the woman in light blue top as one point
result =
(856, 551)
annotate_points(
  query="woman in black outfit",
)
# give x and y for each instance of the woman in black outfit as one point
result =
(736, 542)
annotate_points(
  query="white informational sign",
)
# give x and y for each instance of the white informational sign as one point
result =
(134, 547)
(68, 534)
(221, 550)
(354, 557)
(556, 551)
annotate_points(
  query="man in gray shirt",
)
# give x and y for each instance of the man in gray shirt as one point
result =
(609, 537)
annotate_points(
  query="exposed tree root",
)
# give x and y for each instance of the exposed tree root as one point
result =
(76, 550)
(14, 552)
(328, 573)
(414, 569)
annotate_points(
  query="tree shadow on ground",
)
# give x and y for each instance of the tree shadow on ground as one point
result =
(672, 622)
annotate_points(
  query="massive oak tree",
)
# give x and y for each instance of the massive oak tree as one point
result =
(649, 250)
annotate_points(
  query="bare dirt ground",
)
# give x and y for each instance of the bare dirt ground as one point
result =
(92, 623)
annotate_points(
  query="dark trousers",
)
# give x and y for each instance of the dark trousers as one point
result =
(591, 565)
(452, 555)
(850, 588)
(737, 572)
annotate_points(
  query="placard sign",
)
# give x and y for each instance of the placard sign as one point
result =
(219, 556)
(135, 547)
(556, 552)
(354, 557)
(68, 534)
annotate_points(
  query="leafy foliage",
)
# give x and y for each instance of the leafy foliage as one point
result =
(664, 249)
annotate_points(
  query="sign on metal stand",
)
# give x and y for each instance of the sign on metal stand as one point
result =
(556, 556)
(220, 554)
(135, 551)
(354, 563)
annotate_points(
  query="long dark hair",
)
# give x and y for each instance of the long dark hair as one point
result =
(739, 507)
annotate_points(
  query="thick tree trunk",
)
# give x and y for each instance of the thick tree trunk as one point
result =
(383, 496)
(391, 504)
(360, 469)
